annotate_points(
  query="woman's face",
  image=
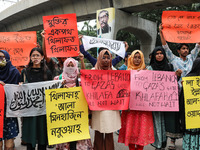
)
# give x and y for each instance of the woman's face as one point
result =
(137, 59)
(159, 56)
(70, 64)
(36, 57)
(2, 56)
(106, 60)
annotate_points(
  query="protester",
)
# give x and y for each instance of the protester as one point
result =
(34, 129)
(55, 66)
(184, 62)
(159, 62)
(70, 76)
(107, 121)
(124, 66)
(8, 75)
(20, 68)
(137, 126)
(93, 60)
(191, 137)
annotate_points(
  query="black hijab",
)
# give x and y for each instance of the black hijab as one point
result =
(9, 74)
(159, 65)
(195, 71)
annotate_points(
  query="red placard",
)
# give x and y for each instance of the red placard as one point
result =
(18, 45)
(2, 97)
(61, 37)
(181, 26)
(106, 89)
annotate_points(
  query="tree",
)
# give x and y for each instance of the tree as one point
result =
(89, 30)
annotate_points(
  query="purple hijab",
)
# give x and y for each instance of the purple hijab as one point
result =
(9, 74)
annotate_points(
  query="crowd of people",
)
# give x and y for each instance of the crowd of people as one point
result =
(136, 128)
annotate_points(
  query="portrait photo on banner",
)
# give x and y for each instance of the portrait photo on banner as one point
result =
(105, 23)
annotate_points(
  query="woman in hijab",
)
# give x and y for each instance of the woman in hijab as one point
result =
(8, 74)
(106, 121)
(165, 124)
(70, 73)
(70, 77)
(159, 62)
(191, 137)
(137, 126)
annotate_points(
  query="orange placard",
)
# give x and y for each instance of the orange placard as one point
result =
(61, 38)
(2, 96)
(181, 26)
(18, 45)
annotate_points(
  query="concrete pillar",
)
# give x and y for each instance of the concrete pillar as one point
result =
(144, 30)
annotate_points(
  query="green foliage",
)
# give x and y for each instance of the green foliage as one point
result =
(130, 38)
(89, 30)
(39, 37)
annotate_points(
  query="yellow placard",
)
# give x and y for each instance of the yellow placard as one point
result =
(67, 115)
(191, 88)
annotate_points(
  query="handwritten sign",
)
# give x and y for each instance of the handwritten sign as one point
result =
(191, 88)
(154, 91)
(61, 37)
(18, 45)
(28, 99)
(2, 97)
(106, 89)
(181, 26)
(67, 115)
(116, 47)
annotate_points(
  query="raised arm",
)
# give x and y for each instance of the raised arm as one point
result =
(163, 41)
(169, 54)
(81, 57)
(87, 55)
(44, 47)
(195, 52)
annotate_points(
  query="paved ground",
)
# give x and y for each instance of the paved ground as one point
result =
(118, 146)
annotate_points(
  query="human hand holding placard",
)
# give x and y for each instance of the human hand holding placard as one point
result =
(181, 26)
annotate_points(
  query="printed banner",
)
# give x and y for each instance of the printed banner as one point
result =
(154, 91)
(18, 45)
(114, 46)
(2, 97)
(106, 89)
(67, 115)
(191, 88)
(106, 23)
(181, 26)
(28, 99)
(61, 37)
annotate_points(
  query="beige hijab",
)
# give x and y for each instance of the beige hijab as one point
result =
(131, 66)
(98, 65)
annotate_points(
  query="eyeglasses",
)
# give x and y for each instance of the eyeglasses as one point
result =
(35, 55)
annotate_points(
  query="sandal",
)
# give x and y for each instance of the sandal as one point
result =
(172, 146)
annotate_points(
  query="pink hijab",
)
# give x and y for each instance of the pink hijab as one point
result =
(70, 73)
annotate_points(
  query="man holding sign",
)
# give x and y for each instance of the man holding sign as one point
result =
(185, 60)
